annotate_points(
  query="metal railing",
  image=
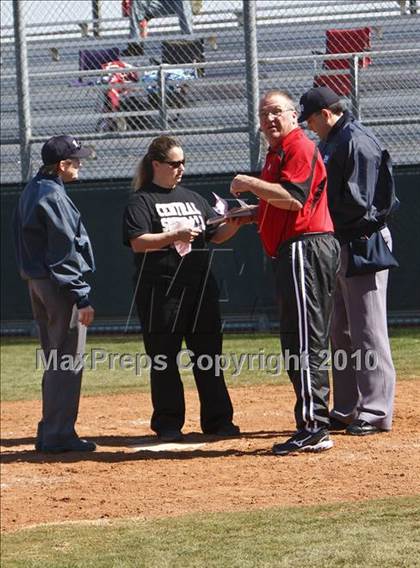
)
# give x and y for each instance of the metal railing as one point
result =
(221, 109)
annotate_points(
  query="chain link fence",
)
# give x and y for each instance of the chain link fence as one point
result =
(116, 75)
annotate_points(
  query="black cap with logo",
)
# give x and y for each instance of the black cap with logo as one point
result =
(60, 148)
(316, 99)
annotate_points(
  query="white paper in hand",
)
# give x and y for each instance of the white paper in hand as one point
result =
(182, 248)
(221, 206)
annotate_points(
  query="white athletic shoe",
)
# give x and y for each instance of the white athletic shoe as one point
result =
(304, 441)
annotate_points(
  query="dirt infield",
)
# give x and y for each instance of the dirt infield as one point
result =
(131, 476)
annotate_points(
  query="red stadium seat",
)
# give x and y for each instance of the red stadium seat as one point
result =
(343, 41)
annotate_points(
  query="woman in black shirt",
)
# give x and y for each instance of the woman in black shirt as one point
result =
(176, 294)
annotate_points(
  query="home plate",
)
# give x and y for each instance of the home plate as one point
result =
(169, 447)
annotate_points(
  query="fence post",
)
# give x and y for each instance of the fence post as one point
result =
(354, 78)
(162, 97)
(96, 15)
(22, 86)
(252, 83)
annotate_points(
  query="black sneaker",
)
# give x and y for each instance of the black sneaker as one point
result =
(229, 430)
(168, 436)
(304, 441)
(76, 445)
(362, 428)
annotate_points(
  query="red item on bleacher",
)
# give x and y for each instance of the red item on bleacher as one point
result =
(126, 76)
(347, 41)
(343, 41)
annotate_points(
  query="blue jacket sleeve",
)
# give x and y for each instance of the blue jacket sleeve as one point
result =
(352, 174)
(68, 253)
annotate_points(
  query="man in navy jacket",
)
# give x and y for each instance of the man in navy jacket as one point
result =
(54, 253)
(361, 196)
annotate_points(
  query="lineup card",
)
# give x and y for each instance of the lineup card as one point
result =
(234, 213)
(222, 209)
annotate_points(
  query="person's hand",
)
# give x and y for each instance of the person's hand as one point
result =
(186, 235)
(240, 184)
(86, 315)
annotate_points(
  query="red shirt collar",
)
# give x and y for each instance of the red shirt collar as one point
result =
(284, 142)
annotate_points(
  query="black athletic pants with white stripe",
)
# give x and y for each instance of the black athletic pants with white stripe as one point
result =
(305, 275)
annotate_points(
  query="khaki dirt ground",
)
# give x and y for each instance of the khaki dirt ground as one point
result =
(130, 476)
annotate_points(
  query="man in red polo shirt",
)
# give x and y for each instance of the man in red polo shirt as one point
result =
(297, 232)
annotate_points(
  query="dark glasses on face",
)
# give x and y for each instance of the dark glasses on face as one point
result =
(175, 163)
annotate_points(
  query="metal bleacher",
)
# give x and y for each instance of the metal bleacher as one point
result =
(213, 124)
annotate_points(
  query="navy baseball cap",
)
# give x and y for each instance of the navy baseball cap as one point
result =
(316, 99)
(60, 148)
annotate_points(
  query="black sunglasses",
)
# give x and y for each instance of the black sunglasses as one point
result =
(175, 163)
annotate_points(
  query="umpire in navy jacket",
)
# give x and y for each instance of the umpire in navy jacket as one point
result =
(54, 253)
(361, 196)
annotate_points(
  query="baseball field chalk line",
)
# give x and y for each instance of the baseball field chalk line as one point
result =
(168, 447)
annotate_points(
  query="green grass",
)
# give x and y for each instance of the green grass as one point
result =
(405, 345)
(21, 381)
(383, 534)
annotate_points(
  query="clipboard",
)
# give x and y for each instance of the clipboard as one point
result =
(233, 214)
